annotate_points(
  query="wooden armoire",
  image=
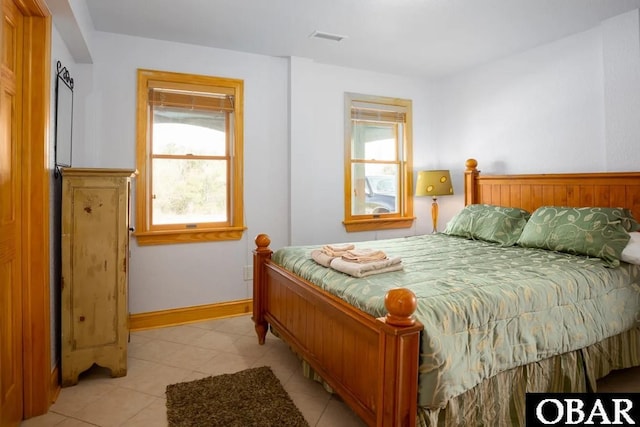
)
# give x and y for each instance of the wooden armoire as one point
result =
(95, 263)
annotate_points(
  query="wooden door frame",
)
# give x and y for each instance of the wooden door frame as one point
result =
(36, 178)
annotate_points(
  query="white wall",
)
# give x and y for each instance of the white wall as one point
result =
(568, 106)
(182, 275)
(621, 56)
(317, 145)
(529, 112)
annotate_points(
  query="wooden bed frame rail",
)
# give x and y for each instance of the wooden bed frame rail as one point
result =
(371, 363)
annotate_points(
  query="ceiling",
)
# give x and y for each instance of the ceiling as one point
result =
(426, 38)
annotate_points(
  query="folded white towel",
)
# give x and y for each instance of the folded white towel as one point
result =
(366, 269)
(364, 255)
(322, 258)
(337, 250)
(340, 247)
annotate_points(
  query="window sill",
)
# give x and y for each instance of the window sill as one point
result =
(147, 238)
(378, 224)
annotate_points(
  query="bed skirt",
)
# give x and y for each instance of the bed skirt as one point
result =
(577, 371)
(486, 403)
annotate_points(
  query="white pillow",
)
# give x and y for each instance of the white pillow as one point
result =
(631, 252)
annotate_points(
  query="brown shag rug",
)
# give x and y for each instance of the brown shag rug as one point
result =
(253, 397)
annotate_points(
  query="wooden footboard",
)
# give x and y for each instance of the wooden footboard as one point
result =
(371, 363)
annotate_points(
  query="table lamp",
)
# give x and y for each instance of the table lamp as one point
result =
(434, 183)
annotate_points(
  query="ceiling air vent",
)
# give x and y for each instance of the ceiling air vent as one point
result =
(327, 36)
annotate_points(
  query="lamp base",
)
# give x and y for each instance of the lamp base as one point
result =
(434, 214)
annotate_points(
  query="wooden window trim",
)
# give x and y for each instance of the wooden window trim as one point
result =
(144, 233)
(404, 218)
(378, 224)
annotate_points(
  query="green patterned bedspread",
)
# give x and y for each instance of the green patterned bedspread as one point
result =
(486, 309)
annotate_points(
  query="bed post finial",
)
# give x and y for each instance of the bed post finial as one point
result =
(400, 304)
(471, 192)
(260, 256)
(262, 242)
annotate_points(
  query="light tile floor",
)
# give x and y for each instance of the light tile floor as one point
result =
(159, 357)
(165, 356)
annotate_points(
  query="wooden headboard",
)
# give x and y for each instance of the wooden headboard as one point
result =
(605, 189)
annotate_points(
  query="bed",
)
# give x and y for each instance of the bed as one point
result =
(380, 359)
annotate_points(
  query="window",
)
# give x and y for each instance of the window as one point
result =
(189, 158)
(378, 169)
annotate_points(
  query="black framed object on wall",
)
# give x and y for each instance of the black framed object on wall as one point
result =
(64, 117)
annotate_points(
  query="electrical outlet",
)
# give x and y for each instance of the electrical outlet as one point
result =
(247, 272)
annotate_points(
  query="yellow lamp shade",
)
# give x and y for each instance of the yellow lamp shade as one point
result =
(434, 183)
